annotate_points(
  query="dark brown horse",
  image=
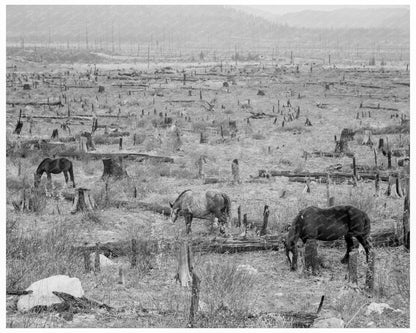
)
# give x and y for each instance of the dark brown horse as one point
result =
(328, 225)
(55, 166)
(203, 205)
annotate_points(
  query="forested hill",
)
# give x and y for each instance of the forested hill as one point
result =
(211, 26)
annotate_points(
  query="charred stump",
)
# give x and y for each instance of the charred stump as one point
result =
(112, 168)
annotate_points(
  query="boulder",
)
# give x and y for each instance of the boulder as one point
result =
(378, 308)
(42, 291)
(329, 323)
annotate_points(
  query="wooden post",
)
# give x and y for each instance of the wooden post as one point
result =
(239, 216)
(87, 261)
(266, 213)
(354, 167)
(377, 183)
(406, 219)
(133, 253)
(120, 145)
(200, 94)
(97, 258)
(311, 255)
(375, 158)
(235, 170)
(389, 159)
(135, 192)
(327, 190)
(194, 299)
(245, 223)
(121, 279)
(369, 280)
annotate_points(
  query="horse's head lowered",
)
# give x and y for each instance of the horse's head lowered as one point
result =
(37, 179)
(174, 212)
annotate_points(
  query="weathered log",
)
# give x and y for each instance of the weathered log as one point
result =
(59, 103)
(370, 274)
(331, 154)
(334, 175)
(131, 156)
(213, 180)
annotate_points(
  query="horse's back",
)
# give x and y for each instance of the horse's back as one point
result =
(332, 223)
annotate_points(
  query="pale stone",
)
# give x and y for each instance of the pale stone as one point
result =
(329, 323)
(377, 307)
(42, 291)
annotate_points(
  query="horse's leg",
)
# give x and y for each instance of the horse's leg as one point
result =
(71, 175)
(66, 177)
(294, 257)
(365, 243)
(350, 245)
(188, 221)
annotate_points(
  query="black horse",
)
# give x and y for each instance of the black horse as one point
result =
(328, 225)
(55, 166)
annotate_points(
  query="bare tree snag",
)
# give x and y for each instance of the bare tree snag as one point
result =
(389, 159)
(245, 223)
(183, 274)
(352, 266)
(369, 279)
(112, 168)
(133, 252)
(235, 170)
(311, 255)
(354, 167)
(266, 213)
(83, 201)
(239, 216)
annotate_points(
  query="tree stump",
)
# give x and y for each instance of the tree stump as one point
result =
(266, 213)
(194, 299)
(203, 138)
(311, 255)
(83, 144)
(18, 127)
(239, 217)
(235, 170)
(183, 274)
(112, 168)
(83, 201)
(367, 138)
(133, 252)
(55, 134)
(202, 160)
(101, 89)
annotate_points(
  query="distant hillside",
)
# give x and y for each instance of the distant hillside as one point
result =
(191, 27)
(390, 18)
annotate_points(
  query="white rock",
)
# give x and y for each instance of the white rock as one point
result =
(42, 291)
(329, 323)
(104, 261)
(377, 307)
(247, 268)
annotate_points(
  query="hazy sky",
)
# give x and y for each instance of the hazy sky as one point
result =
(283, 9)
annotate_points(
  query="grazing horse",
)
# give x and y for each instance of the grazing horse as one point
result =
(55, 166)
(327, 225)
(202, 205)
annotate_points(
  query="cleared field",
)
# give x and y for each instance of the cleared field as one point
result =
(164, 111)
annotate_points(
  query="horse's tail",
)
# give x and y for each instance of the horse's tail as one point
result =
(227, 204)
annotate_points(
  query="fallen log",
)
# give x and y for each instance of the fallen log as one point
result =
(331, 154)
(290, 174)
(59, 103)
(131, 156)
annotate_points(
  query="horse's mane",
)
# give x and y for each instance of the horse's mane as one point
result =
(41, 164)
(181, 195)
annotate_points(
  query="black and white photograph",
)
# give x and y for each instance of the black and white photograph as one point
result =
(207, 165)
